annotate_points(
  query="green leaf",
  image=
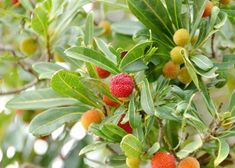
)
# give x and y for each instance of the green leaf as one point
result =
(117, 160)
(153, 149)
(46, 122)
(89, 29)
(113, 132)
(232, 103)
(92, 147)
(105, 50)
(46, 69)
(134, 117)
(68, 84)
(147, 103)
(202, 62)
(131, 146)
(134, 54)
(126, 27)
(39, 99)
(154, 16)
(222, 152)
(174, 9)
(40, 20)
(189, 148)
(92, 56)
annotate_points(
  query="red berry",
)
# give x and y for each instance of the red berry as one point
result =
(121, 85)
(126, 126)
(102, 72)
(163, 160)
(19, 111)
(109, 102)
(208, 9)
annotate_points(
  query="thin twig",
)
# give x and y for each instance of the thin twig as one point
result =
(20, 89)
(213, 54)
(161, 130)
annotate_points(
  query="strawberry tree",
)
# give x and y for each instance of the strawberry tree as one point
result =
(142, 89)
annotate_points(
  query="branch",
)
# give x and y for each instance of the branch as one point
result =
(161, 130)
(20, 89)
(212, 46)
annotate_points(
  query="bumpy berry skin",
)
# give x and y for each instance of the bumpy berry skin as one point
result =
(171, 70)
(208, 9)
(133, 162)
(102, 72)
(189, 162)
(184, 76)
(163, 160)
(176, 55)
(106, 26)
(91, 116)
(28, 46)
(181, 37)
(121, 85)
(225, 2)
(109, 102)
(126, 126)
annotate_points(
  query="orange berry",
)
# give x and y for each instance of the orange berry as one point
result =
(171, 70)
(225, 2)
(184, 76)
(91, 116)
(208, 9)
(181, 37)
(106, 26)
(189, 162)
(109, 102)
(163, 160)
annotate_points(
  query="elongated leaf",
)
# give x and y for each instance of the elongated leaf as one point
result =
(134, 117)
(116, 160)
(105, 50)
(39, 99)
(174, 9)
(131, 146)
(92, 56)
(154, 16)
(113, 132)
(134, 54)
(146, 98)
(202, 62)
(92, 147)
(232, 103)
(46, 69)
(189, 148)
(89, 29)
(222, 152)
(48, 121)
(68, 84)
(127, 27)
(153, 149)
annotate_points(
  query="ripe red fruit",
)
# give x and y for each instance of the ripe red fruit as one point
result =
(163, 160)
(189, 162)
(171, 70)
(126, 126)
(208, 9)
(109, 102)
(102, 72)
(121, 85)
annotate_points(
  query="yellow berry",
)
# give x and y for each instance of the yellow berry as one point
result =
(28, 46)
(176, 55)
(133, 162)
(184, 76)
(106, 26)
(181, 37)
